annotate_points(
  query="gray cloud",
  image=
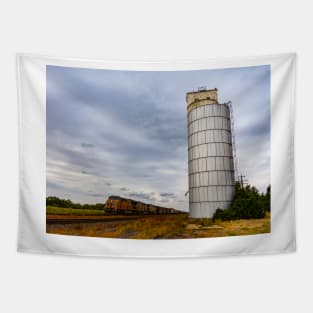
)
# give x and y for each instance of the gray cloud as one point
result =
(167, 195)
(151, 196)
(97, 195)
(107, 129)
(87, 145)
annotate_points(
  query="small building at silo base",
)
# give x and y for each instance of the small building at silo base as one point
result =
(210, 154)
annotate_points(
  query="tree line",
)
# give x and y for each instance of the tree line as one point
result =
(67, 203)
(248, 203)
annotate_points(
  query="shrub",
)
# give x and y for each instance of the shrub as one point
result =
(248, 203)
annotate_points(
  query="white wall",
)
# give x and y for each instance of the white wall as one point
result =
(153, 30)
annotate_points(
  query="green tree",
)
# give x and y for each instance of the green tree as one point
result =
(247, 203)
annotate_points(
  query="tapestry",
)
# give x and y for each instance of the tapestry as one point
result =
(189, 158)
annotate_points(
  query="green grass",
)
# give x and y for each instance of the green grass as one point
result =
(70, 211)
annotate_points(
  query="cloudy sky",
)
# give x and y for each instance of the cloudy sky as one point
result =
(124, 132)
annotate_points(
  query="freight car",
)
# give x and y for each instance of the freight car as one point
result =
(117, 205)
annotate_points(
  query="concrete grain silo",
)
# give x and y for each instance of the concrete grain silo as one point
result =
(210, 154)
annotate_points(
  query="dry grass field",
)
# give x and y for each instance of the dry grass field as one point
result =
(159, 227)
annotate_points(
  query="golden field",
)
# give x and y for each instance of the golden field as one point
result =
(159, 227)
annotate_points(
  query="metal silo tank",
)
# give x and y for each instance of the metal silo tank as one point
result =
(210, 154)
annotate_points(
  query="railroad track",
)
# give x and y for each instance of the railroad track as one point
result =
(91, 219)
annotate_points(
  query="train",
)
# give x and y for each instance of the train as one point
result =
(117, 205)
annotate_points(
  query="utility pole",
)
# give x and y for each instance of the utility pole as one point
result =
(242, 181)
